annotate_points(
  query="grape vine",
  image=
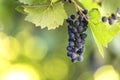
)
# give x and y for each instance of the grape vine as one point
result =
(45, 14)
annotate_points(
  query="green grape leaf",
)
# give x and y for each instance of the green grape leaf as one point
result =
(30, 2)
(103, 33)
(89, 4)
(50, 16)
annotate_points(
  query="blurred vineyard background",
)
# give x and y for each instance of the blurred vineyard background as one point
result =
(31, 53)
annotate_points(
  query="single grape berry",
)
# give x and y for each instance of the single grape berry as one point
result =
(114, 16)
(69, 48)
(78, 40)
(71, 35)
(71, 44)
(80, 18)
(77, 23)
(80, 29)
(69, 54)
(83, 36)
(79, 45)
(74, 30)
(85, 11)
(111, 21)
(72, 16)
(74, 56)
(69, 26)
(81, 51)
(104, 19)
(80, 58)
(78, 12)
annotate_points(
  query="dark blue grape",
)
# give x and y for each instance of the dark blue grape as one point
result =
(79, 45)
(74, 56)
(79, 13)
(104, 19)
(72, 16)
(85, 22)
(83, 36)
(69, 48)
(80, 51)
(69, 54)
(80, 29)
(82, 24)
(114, 16)
(85, 11)
(77, 23)
(71, 36)
(70, 26)
(74, 30)
(80, 18)
(111, 21)
(71, 44)
(68, 20)
(80, 58)
(78, 40)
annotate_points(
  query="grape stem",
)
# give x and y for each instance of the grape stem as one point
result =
(78, 8)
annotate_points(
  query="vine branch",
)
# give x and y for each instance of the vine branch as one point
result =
(78, 8)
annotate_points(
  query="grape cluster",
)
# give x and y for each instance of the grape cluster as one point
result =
(77, 25)
(111, 19)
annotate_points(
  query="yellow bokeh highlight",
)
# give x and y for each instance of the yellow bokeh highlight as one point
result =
(20, 72)
(106, 72)
(4, 64)
(55, 69)
(9, 47)
(35, 48)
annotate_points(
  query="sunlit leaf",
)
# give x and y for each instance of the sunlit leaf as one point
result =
(89, 4)
(46, 16)
(30, 2)
(102, 32)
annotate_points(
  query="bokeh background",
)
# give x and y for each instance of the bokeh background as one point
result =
(31, 53)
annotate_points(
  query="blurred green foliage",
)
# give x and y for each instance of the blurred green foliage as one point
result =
(23, 43)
